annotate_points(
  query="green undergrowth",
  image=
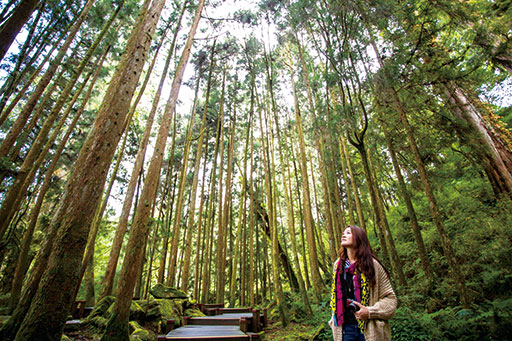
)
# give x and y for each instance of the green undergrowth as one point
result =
(490, 320)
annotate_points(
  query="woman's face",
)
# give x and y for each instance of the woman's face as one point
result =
(347, 239)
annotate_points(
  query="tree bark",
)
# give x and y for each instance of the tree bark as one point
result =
(76, 209)
(40, 146)
(23, 263)
(27, 109)
(117, 327)
(13, 25)
(108, 280)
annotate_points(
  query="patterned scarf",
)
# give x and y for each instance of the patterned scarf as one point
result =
(361, 291)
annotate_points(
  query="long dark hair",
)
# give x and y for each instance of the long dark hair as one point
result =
(364, 253)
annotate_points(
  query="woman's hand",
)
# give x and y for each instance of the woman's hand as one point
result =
(362, 313)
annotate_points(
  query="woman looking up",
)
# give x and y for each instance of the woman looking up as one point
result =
(362, 298)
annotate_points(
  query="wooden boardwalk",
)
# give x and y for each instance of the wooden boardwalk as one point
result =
(231, 325)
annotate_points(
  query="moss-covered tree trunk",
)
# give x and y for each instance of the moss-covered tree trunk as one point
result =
(488, 139)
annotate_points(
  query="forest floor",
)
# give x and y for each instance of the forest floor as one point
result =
(294, 331)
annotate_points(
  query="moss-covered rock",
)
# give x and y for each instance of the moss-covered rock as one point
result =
(136, 312)
(163, 291)
(194, 312)
(98, 321)
(101, 308)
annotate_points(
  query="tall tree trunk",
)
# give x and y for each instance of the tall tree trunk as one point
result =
(205, 287)
(98, 216)
(6, 111)
(355, 190)
(331, 225)
(181, 192)
(27, 109)
(89, 283)
(425, 262)
(219, 260)
(13, 25)
(84, 188)
(241, 218)
(496, 155)
(40, 147)
(23, 263)
(434, 209)
(317, 282)
(192, 206)
(385, 226)
(117, 327)
(108, 279)
(227, 204)
(291, 230)
(16, 75)
(200, 235)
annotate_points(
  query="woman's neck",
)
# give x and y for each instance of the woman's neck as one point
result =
(351, 254)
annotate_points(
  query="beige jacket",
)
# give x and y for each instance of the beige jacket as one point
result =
(382, 307)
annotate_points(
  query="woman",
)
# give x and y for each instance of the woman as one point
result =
(362, 297)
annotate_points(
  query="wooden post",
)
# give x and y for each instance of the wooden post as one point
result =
(256, 320)
(243, 324)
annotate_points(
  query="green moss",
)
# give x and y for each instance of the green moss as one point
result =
(170, 309)
(116, 329)
(98, 321)
(194, 312)
(136, 311)
(142, 334)
(163, 291)
(133, 326)
(101, 308)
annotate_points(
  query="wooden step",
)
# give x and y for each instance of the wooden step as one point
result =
(202, 332)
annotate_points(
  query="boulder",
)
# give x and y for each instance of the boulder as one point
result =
(163, 291)
(101, 308)
(136, 312)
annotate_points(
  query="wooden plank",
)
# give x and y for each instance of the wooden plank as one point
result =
(235, 310)
(194, 332)
(233, 321)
